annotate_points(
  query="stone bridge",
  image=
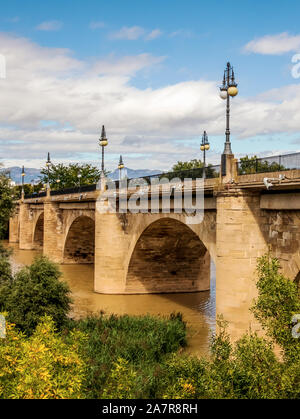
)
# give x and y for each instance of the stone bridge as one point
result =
(161, 253)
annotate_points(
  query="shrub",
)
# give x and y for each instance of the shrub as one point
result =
(42, 366)
(140, 341)
(277, 302)
(179, 377)
(5, 275)
(121, 382)
(36, 291)
(5, 267)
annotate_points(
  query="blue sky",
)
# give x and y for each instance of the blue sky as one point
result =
(148, 70)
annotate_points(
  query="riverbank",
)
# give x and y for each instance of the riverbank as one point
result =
(198, 309)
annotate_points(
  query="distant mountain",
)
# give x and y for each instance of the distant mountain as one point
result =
(15, 174)
(131, 173)
(33, 174)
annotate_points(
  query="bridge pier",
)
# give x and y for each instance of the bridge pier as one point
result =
(14, 225)
(111, 245)
(240, 242)
(26, 227)
(53, 246)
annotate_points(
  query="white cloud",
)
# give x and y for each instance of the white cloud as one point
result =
(53, 25)
(131, 34)
(154, 34)
(274, 44)
(151, 128)
(181, 32)
(127, 65)
(97, 25)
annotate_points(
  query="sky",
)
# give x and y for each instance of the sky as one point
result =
(150, 72)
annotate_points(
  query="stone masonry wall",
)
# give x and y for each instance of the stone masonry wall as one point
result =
(282, 232)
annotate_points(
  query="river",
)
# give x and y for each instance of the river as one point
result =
(198, 309)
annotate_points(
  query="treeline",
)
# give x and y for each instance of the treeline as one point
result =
(61, 176)
(48, 355)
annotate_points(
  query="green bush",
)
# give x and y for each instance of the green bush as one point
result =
(277, 302)
(5, 275)
(36, 291)
(140, 341)
(121, 382)
(5, 266)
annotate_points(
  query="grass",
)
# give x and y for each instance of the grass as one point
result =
(142, 341)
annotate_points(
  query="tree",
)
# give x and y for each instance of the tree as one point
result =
(7, 203)
(277, 302)
(28, 189)
(192, 169)
(187, 165)
(254, 164)
(35, 291)
(62, 176)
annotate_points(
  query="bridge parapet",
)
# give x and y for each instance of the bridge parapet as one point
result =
(289, 175)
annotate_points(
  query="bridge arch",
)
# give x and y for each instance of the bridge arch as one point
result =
(168, 256)
(80, 241)
(38, 233)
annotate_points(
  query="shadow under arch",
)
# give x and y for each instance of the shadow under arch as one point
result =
(38, 236)
(168, 257)
(80, 241)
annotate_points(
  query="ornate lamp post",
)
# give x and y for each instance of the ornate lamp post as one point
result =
(103, 143)
(48, 164)
(120, 167)
(204, 147)
(23, 176)
(227, 90)
(79, 180)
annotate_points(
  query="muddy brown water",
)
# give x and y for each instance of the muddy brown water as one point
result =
(198, 309)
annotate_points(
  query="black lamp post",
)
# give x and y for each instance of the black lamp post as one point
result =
(48, 164)
(120, 167)
(204, 147)
(103, 143)
(227, 90)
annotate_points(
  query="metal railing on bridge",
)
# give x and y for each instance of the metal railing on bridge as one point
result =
(210, 172)
(35, 195)
(246, 165)
(249, 165)
(77, 189)
(63, 191)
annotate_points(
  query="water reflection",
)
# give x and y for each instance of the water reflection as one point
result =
(198, 309)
